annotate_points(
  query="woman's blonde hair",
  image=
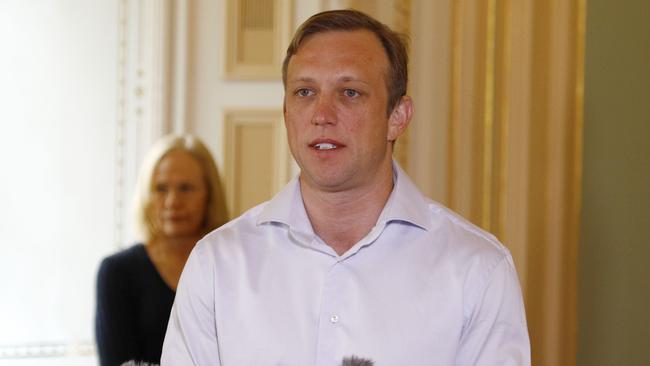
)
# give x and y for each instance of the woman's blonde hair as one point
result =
(216, 211)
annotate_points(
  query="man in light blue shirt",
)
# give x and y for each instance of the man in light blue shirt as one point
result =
(349, 259)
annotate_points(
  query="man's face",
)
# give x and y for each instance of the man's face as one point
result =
(335, 110)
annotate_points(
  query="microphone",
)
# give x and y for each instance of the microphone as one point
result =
(356, 361)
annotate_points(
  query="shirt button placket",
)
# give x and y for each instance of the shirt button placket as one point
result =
(330, 341)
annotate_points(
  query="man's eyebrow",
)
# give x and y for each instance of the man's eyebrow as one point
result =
(342, 79)
(346, 79)
(306, 79)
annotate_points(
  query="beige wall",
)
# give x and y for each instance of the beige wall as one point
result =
(614, 296)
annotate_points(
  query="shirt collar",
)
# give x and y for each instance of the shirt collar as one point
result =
(405, 204)
(287, 208)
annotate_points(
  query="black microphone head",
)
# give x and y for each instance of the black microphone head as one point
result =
(356, 361)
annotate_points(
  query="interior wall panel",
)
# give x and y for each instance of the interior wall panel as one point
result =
(256, 157)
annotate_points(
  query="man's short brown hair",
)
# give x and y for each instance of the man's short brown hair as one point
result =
(395, 45)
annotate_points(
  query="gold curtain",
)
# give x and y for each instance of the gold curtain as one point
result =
(509, 115)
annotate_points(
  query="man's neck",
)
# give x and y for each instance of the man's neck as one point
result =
(343, 218)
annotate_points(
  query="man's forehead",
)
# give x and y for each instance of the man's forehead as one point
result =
(355, 47)
(361, 35)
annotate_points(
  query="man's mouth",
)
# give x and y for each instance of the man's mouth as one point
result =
(325, 146)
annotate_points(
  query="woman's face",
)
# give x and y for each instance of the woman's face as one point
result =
(179, 196)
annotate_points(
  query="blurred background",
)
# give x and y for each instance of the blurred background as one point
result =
(532, 119)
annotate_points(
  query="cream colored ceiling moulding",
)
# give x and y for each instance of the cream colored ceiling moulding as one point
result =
(256, 157)
(143, 95)
(257, 35)
(151, 89)
(149, 68)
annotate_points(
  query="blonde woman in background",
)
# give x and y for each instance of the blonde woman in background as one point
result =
(178, 200)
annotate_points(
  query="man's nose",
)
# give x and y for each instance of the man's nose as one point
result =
(325, 112)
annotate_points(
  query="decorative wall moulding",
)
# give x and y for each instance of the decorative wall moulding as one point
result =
(257, 35)
(256, 155)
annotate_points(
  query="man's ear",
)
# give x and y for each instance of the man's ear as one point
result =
(400, 118)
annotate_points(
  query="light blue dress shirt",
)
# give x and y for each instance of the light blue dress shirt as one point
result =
(424, 287)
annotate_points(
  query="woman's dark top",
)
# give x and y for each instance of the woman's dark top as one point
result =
(133, 307)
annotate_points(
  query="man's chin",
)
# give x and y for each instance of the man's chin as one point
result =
(321, 181)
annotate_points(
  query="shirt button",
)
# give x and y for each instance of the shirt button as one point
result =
(334, 319)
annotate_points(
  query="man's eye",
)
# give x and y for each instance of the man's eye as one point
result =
(351, 93)
(304, 92)
(160, 188)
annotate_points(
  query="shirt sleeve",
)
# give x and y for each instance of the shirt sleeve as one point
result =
(114, 318)
(496, 333)
(191, 337)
